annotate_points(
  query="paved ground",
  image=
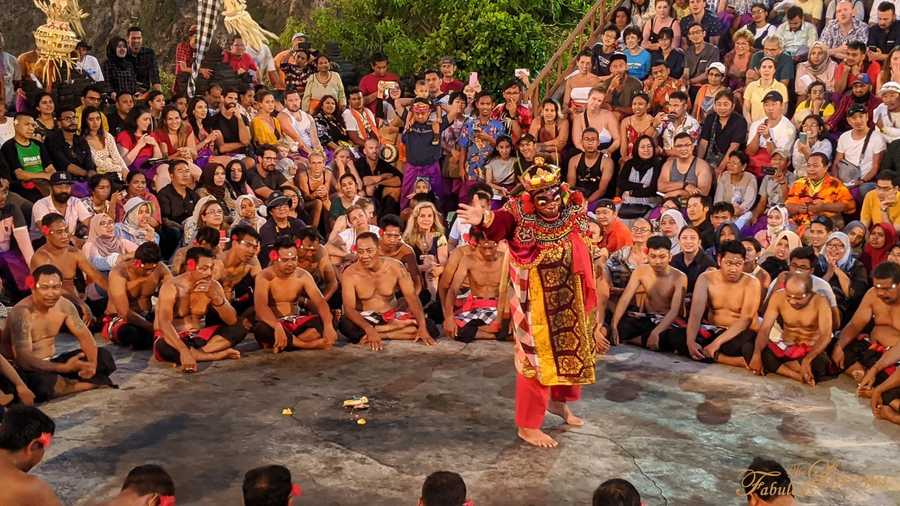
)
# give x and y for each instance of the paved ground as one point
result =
(680, 431)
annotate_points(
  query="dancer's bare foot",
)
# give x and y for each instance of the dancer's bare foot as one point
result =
(858, 375)
(561, 409)
(888, 413)
(229, 354)
(537, 437)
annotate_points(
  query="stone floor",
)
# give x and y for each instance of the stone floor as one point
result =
(680, 431)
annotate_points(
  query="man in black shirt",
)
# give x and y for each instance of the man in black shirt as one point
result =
(603, 49)
(117, 118)
(885, 34)
(144, 61)
(697, 211)
(718, 140)
(235, 131)
(692, 260)
(70, 152)
(265, 178)
(279, 224)
(176, 204)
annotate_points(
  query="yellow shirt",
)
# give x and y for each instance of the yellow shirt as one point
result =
(754, 93)
(811, 8)
(262, 132)
(103, 120)
(871, 210)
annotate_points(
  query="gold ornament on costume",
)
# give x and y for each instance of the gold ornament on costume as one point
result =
(540, 175)
(56, 39)
(237, 19)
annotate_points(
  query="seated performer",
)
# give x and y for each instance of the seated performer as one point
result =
(313, 258)
(29, 341)
(182, 336)
(129, 314)
(25, 436)
(145, 485)
(268, 485)
(806, 332)
(283, 295)
(368, 288)
(237, 268)
(206, 237)
(59, 252)
(662, 287)
(729, 298)
(477, 317)
(391, 245)
(802, 260)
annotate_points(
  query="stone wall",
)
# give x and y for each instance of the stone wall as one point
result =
(164, 22)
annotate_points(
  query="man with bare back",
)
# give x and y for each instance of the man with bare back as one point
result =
(477, 317)
(129, 314)
(182, 334)
(662, 287)
(729, 298)
(29, 342)
(237, 267)
(368, 288)
(805, 318)
(25, 436)
(313, 258)
(59, 251)
(282, 321)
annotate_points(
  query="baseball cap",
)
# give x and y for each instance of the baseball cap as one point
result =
(773, 95)
(889, 86)
(278, 199)
(825, 221)
(607, 203)
(617, 56)
(861, 78)
(718, 66)
(856, 109)
(298, 35)
(447, 59)
(59, 178)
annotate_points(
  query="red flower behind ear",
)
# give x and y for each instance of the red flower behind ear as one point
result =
(138, 264)
(191, 265)
(167, 500)
(46, 439)
(45, 230)
(273, 255)
(29, 282)
(296, 491)
(234, 238)
(298, 243)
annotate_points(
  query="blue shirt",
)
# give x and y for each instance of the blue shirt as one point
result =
(639, 64)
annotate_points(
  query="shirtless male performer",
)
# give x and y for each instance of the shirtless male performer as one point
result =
(806, 332)
(129, 314)
(25, 435)
(182, 335)
(238, 266)
(391, 245)
(313, 258)
(146, 485)
(29, 341)
(368, 288)
(663, 288)
(59, 251)
(277, 302)
(477, 317)
(730, 299)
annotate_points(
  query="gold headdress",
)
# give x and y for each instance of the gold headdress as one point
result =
(540, 175)
(238, 20)
(56, 39)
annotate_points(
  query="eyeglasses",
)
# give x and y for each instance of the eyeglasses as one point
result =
(251, 245)
(640, 230)
(270, 158)
(214, 212)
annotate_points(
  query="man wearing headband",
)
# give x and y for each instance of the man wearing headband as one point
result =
(871, 358)
(129, 314)
(147, 485)
(29, 341)
(477, 317)
(664, 287)
(182, 334)
(805, 320)
(283, 297)
(557, 321)
(25, 436)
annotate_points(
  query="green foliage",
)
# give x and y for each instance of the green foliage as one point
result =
(492, 37)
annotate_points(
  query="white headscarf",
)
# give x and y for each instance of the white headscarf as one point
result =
(845, 261)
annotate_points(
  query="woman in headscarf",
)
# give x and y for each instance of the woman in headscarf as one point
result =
(135, 225)
(856, 232)
(237, 177)
(638, 178)
(136, 186)
(213, 182)
(246, 212)
(882, 238)
(118, 70)
(846, 275)
(818, 67)
(103, 247)
(779, 251)
(207, 213)
(727, 232)
(670, 224)
(776, 221)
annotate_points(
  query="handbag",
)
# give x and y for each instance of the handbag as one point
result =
(848, 172)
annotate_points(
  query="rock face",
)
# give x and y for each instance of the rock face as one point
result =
(164, 22)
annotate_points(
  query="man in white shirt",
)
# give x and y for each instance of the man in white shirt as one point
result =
(88, 63)
(265, 64)
(62, 202)
(798, 35)
(773, 132)
(9, 72)
(7, 129)
(887, 115)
